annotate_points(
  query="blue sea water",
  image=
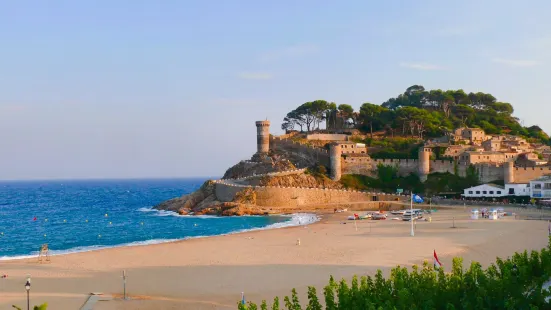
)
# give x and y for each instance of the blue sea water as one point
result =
(72, 216)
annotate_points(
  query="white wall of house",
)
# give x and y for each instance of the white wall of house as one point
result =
(517, 189)
(540, 188)
(484, 190)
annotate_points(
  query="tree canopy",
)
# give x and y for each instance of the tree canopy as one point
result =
(419, 113)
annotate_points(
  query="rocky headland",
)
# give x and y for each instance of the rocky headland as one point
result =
(274, 170)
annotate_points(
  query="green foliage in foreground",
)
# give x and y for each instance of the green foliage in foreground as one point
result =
(43, 306)
(514, 283)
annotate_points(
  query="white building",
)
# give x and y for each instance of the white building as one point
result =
(484, 191)
(496, 191)
(541, 187)
(517, 189)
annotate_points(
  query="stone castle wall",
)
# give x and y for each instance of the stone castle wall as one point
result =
(524, 175)
(327, 137)
(293, 197)
(321, 155)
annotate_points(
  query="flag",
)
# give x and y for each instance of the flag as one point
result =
(437, 263)
(242, 298)
(417, 199)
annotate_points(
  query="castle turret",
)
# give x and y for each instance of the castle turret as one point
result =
(424, 163)
(335, 161)
(509, 172)
(262, 137)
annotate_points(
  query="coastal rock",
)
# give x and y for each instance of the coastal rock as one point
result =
(204, 197)
(262, 164)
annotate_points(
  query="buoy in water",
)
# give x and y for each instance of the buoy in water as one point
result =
(99, 236)
(44, 235)
(105, 214)
(110, 223)
(64, 221)
(86, 221)
(141, 223)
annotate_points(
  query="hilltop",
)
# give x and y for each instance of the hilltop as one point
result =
(416, 113)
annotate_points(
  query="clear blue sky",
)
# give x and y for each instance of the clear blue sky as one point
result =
(103, 89)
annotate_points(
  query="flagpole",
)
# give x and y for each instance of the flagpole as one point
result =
(411, 215)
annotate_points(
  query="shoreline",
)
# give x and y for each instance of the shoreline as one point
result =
(92, 248)
(211, 273)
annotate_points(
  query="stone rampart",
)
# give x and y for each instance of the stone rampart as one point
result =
(524, 175)
(319, 154)
(292, 197)
(327, 137)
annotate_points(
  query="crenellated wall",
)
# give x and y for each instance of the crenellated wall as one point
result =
(524, 175)
(321, 155)
(292, 197)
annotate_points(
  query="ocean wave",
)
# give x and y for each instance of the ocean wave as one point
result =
(296, 219)
(156, 212)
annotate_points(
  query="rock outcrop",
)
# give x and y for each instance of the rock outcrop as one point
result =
(204, 202)
(300, 180)
(261, 165)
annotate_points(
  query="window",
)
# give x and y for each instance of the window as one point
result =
(470, 192)
(484, 192)
(491, 192)
(511, 191)
(499, 192)
(537, 186)
(478, 192)
(547, 186)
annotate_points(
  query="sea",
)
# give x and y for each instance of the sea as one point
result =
(78, 216)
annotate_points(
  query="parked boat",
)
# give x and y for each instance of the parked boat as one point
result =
(397, 212)
(412, 214)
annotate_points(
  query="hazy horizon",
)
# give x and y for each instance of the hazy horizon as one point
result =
(141, 90)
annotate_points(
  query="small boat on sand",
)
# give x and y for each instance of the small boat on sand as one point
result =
(397, 212)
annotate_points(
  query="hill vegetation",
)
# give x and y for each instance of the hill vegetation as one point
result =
(417, 113)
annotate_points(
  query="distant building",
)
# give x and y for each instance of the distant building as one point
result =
(541, 187)
(530, 160)
(473, 157)
(484, 191)
(352, 147)
(497, 191)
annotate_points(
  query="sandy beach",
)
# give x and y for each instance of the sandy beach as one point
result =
(211, 273)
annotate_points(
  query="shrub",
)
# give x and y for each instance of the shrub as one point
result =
(514, 283)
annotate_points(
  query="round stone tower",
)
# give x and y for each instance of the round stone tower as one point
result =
(335, 161)
(509, 172)
(262, 137)
(424, 163)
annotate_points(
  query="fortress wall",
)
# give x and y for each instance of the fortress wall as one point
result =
(489, 172)
(327, 137)
(297, 197)
(442, 166)
(292, 197)
(524, 175)
(225, 192)
(321, 155)
(405, 166)
(364, 168)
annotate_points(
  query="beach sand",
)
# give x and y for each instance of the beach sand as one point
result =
(211, 273)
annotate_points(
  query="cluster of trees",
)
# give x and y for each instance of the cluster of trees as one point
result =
(388, 180)
(418, 113)
(515, 283)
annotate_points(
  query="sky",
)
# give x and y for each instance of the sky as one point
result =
(153, 89)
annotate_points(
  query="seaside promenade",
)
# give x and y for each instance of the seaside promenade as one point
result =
(211, 273)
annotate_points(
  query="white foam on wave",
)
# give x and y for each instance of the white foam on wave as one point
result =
(297, 219)
(156, 212)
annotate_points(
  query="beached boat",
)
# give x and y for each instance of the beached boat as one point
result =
(397, 212)
(414, 214)
(379, 216)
